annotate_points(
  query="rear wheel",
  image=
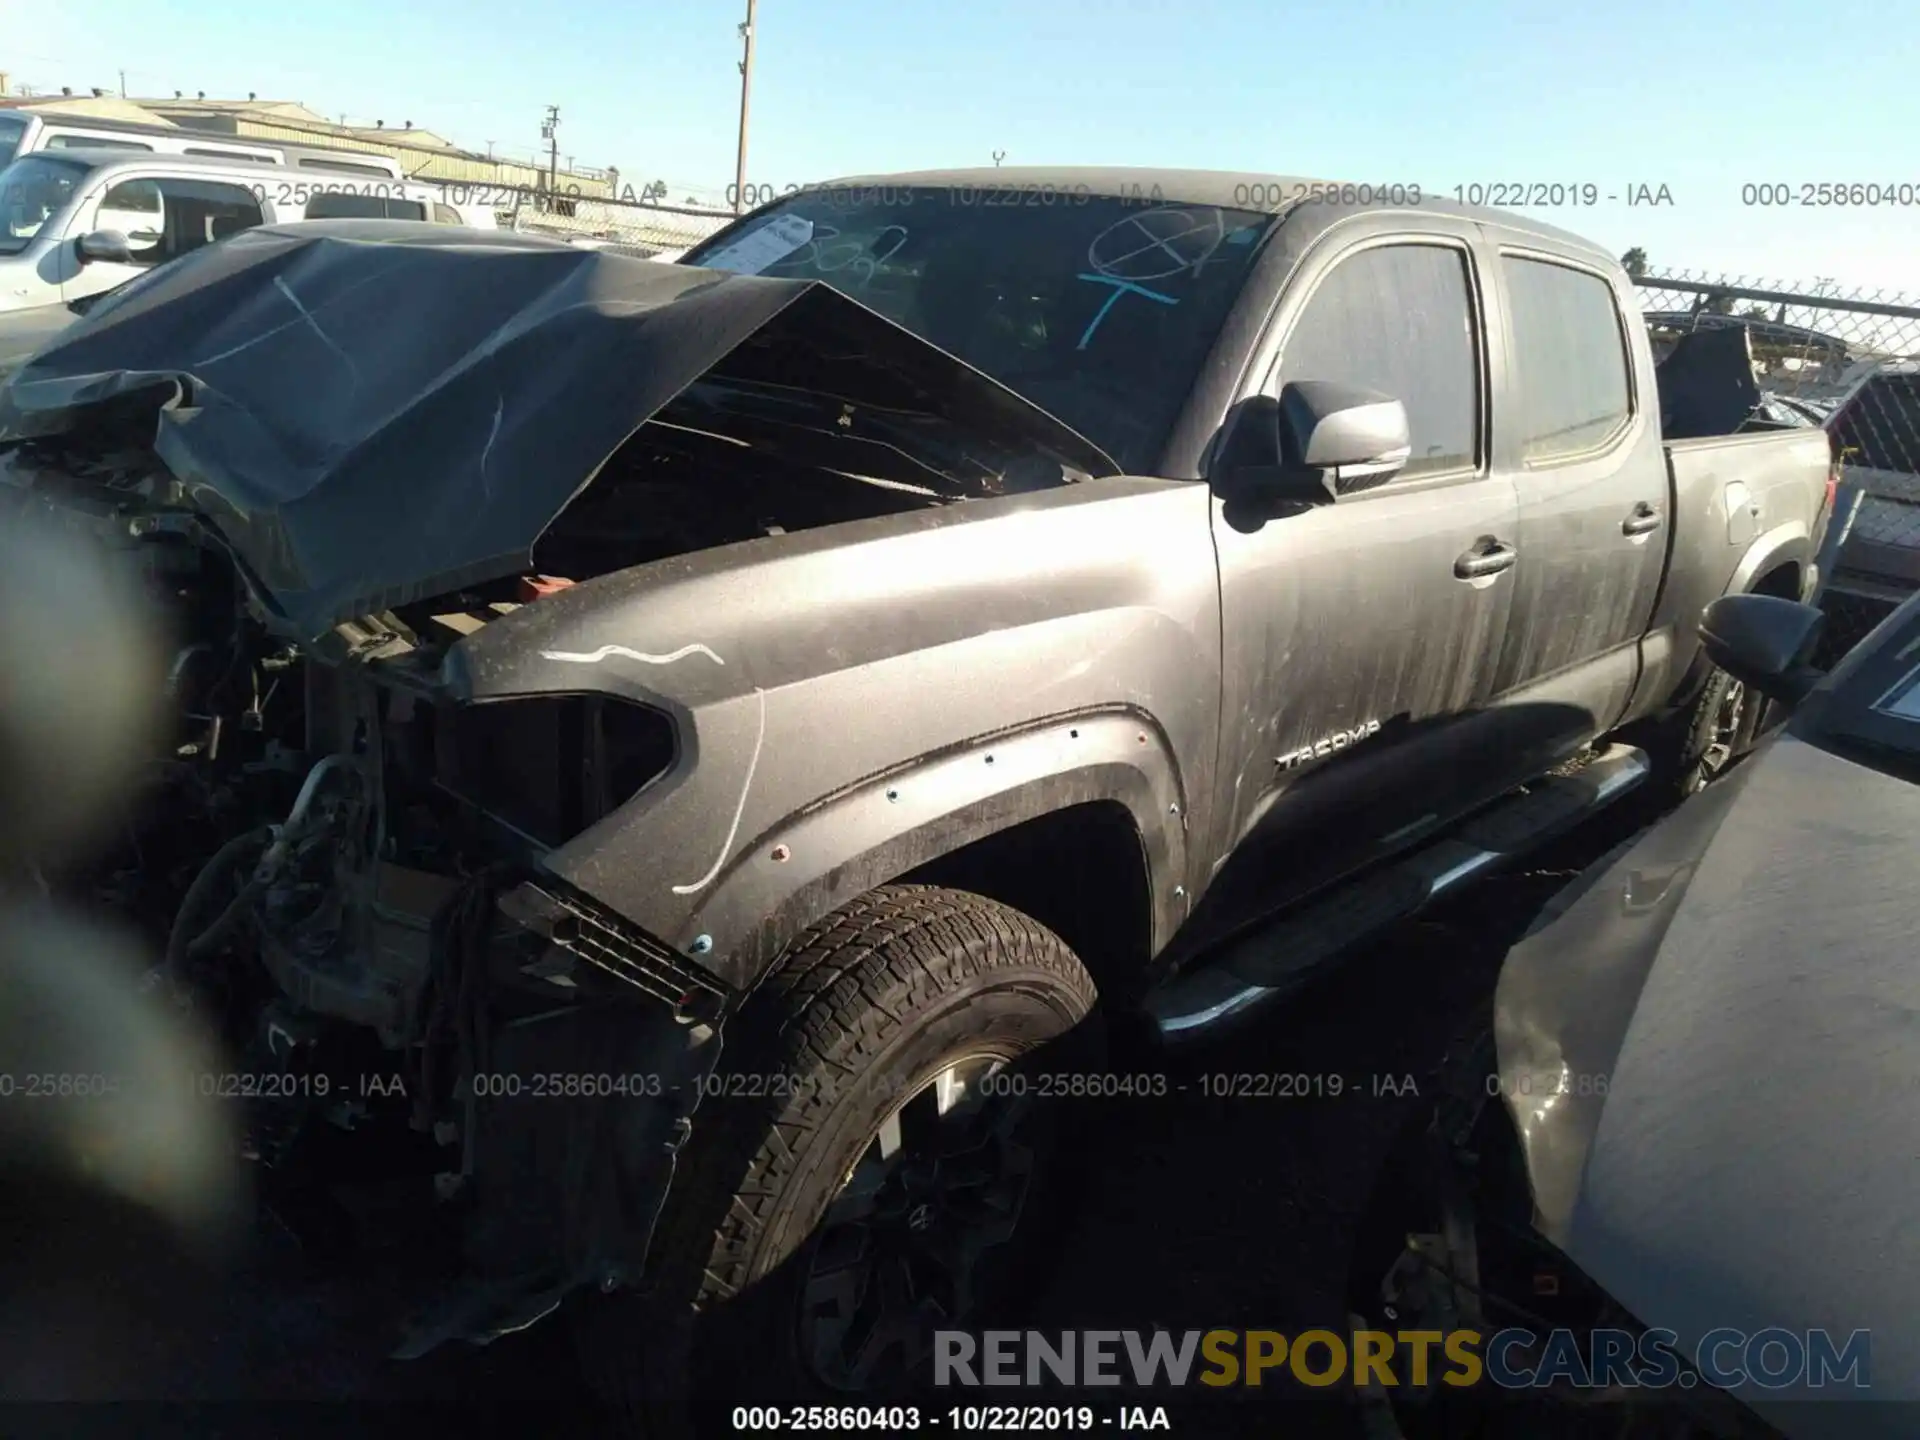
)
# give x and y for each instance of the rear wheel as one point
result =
(1697, 745)
(1722, 726)
(871, 1164)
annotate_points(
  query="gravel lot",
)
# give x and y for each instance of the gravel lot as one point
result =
(1203, 1212)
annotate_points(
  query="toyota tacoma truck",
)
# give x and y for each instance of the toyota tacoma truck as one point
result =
(680, 767)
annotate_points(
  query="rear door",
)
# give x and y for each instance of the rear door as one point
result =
(1357, 654)
(1582, 445)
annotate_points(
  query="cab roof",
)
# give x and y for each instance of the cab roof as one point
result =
(1236, 189)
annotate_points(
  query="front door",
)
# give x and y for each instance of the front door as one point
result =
(163, 217)
(1360, 635)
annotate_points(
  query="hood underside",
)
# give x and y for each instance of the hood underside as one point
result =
(373, 412)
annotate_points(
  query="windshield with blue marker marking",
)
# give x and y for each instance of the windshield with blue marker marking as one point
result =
(1098, 309)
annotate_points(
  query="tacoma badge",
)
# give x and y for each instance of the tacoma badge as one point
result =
(1327, 745)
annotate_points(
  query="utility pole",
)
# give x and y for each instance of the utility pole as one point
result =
(550, 132)
(746, 86)
(123, 84)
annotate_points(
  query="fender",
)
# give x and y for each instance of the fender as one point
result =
(986, 663)
(1789, 542)
(816, 859)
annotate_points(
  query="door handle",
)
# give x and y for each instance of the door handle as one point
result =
(1643, 521)
(1489, 557)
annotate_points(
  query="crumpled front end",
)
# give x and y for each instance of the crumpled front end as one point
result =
(432, 1045)
(430, 856)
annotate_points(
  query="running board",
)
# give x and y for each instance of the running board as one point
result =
(1273, 961)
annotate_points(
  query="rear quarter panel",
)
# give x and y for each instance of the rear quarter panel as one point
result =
(1742, 506)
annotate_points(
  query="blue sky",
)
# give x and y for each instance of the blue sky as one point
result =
(1699, 97)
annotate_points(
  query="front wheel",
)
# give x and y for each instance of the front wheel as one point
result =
(870, 1164)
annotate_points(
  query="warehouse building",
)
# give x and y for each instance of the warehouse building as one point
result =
(421, 152)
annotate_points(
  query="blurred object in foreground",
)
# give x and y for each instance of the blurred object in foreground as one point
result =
(99, 1111)
(79, 701)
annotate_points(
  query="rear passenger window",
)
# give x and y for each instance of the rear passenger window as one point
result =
(338, 205)
(90, 142)
(341, 167)
(1569, 364)
(250, 158)
(1399, 319)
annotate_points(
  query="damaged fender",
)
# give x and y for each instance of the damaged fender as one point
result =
(1054, 652)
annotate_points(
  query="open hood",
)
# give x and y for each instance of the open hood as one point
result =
(372, 412)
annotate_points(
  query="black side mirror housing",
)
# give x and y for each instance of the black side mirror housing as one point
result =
(1318, 441)
(1766, 642)
(1357, 437)
(108, 245)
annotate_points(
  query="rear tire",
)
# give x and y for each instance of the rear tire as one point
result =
(790, 1220)
(1702, 742)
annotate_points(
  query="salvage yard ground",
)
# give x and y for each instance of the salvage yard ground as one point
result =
(1203, 1213)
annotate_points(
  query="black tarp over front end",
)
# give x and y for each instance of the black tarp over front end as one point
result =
(372, 412)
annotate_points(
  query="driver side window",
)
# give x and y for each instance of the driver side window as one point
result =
(1399, 319)
(167, 217)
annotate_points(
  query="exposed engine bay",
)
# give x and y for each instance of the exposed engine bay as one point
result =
(338, 865)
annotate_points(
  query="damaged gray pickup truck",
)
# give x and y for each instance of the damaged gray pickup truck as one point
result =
(732, 737)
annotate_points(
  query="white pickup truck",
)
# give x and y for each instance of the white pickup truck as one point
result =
(77, 222)
(25, 132)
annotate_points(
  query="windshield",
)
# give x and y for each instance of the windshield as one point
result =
(12, 127)
(1100, 310)
(32, 192)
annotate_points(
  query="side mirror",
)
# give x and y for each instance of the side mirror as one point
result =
(1358, 437)
(1766, 642)
(109, 245)
(1320, 440)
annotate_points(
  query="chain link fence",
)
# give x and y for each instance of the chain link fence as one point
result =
(1850, 363)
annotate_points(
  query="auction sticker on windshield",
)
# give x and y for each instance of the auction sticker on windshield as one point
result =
(771, 243)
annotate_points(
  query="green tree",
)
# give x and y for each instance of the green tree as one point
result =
(1756, 312)
(1635, 261)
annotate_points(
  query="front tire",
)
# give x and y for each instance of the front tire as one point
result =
(862, 1170)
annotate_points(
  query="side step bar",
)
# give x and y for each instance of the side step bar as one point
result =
(1273, 961)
